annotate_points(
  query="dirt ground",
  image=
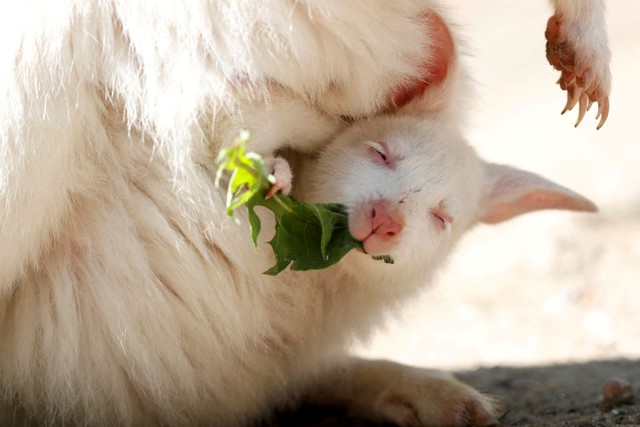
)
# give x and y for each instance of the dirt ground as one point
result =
(541, 310)
(554, 396)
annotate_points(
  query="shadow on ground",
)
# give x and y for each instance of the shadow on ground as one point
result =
(555, 395)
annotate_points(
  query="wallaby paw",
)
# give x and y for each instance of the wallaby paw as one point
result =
(477, 413)
(582, 57)
(279, 168)
(438, 402)
(388, 392)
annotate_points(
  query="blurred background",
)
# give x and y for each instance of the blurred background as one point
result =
(549, 287)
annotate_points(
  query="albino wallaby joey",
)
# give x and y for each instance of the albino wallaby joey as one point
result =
(412, 186)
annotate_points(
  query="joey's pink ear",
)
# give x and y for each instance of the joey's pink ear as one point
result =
(438, 61)
(513, 192)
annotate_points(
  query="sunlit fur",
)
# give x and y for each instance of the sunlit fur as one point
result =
(127, 296)
(126, 293)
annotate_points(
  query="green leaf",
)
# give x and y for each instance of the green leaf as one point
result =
(308, 236)
(386, 258)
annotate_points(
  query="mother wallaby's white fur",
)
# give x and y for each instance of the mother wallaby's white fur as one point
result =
(126, 294)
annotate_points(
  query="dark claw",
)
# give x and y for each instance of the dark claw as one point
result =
(574, 94)
(600, 106)
(562, 83)
(583, 108)
(589, 104)
(605, 112)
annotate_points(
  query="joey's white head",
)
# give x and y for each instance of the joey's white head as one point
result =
(412, 186)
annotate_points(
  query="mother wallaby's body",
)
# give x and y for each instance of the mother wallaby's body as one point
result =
(126, 294)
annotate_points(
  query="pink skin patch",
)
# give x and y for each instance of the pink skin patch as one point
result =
(435, 70)
(281, 171)
(377, 225)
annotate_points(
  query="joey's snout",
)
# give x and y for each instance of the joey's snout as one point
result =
(384, 220)
(377, 225)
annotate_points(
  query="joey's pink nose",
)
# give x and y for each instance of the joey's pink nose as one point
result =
(377, 224)
(383, 222)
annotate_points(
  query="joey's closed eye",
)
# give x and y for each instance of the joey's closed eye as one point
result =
(442, 218)
(379, 151)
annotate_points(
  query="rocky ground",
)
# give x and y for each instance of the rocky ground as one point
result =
(561, 395)
(550, 396)
(539, 311)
